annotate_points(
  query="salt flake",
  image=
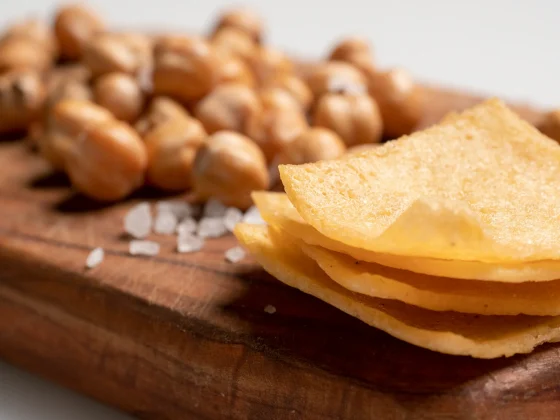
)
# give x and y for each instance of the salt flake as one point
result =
(211, 227)
(166, 223)
(232, 217)
(147, 248)
(269, 309)
(189, 243)
(95, 258)
(235, 254)
(188, 225)
(253, 217)
(138, 221)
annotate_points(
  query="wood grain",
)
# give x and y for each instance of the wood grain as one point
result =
(186, 336)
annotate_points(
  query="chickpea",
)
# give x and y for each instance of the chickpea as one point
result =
(350, 47)
(61, 74)
(550, 125)
(104, 158)
(108, 163)
(171, 148)
(234, 70)
(228, 107)
(66, 120)
(35, 31)
(185, 68)
(279, 123)
(161, 110)
(107, 53)
(19, 53)
(234, 41)
(294, 86)
(74, 26)
(228, 167)
(244, 20)
(355, 118)
(22, 95)
(120, 94)
(45, 134)
(357, 52)
(399, 100)
(336, 76)
(268, 63)
(313, 145)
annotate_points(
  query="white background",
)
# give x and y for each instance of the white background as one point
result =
(504, 48)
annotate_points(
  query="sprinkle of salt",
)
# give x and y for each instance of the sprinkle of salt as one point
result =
(146, 248)
(95, 258)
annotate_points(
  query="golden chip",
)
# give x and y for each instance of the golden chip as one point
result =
(482, 186)
(277, 210)
(447, 332)
(437, 293)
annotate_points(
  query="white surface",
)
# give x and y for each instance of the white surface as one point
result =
(499, 47)
(25, 397)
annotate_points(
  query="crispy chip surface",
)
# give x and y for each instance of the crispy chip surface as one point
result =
(446, 332)
(277, 210)
(483, 185)
(437, 293)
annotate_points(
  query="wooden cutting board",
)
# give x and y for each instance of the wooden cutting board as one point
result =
(187, 337)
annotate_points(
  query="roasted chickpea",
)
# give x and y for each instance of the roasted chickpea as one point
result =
(234, 41)
(399, 100)
(107, 53)
(336, 76)
(21, 53)
(22, 95)
(313, 145)
(355, 118)
(66, 120)
(46, 135)
(36, 31)
(104, 158)
(244, 20)
(268, 63)
(279, 123)
(228, 107)
(161, 110)
(294, 86)
(348, 48)
(234, 70)
(228, 167)
(550, 125)
(171, 148)
(61, 74)
(120, 94)
(185, 68)
(74, 26)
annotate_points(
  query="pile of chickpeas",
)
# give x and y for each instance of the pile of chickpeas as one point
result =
(212, 115)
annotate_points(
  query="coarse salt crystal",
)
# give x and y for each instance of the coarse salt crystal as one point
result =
(235, 254)
(232, 217)
(138, 221)
(253, 217)
(147, 248)
(269, 309)
(180, 209)
(166, 223)
(188, 242)
(95, 258)
(188, 225)
(214, 208)
(211, 227)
